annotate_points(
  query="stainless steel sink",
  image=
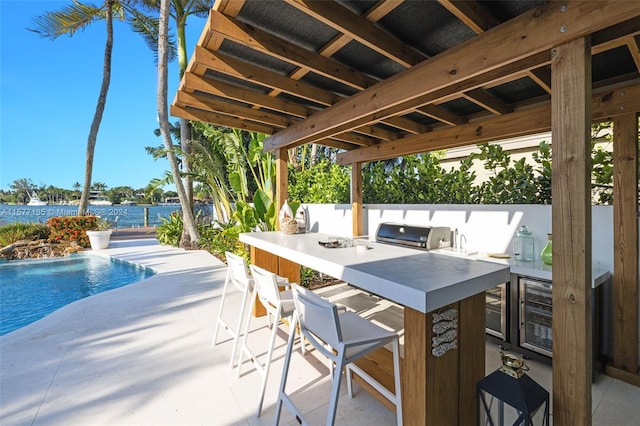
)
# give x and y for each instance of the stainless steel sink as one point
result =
(450, 251)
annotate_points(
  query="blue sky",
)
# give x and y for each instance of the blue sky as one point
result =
(48, 95)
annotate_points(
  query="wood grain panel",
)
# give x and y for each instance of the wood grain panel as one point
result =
(472, 351)
(625, 243)
(571, 224)
(267, 261)
(414, 375)
(356, 199)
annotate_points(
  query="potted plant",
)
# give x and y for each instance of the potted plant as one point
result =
(99, 234)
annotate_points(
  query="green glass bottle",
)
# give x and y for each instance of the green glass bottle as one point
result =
(547, 251)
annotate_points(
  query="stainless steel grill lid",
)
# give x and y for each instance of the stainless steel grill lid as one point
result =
(396, 233)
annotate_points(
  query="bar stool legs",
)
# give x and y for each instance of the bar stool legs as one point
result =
(238, 276)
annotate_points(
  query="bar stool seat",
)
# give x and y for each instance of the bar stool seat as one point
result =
(343, 338)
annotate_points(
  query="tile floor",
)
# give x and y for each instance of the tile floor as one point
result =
(142, 355)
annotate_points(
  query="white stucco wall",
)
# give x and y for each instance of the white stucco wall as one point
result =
(487, 228)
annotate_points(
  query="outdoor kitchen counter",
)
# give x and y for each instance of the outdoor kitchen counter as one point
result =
(412, 278)
(438, 386)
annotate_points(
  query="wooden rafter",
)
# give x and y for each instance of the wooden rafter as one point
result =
(360, 29)
(470, 60)
(607, 103)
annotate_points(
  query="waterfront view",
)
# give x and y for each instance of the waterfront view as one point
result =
(123, 216)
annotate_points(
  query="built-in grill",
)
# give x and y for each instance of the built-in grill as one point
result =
(421, 237)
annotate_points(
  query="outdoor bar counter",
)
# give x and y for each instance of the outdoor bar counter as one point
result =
(439, 381)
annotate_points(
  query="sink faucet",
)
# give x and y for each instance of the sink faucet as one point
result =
(462, 246)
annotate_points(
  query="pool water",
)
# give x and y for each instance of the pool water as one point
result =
(32, 289)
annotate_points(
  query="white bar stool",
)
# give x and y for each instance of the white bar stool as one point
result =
(350, 336)
(277, 304)
(237, 275)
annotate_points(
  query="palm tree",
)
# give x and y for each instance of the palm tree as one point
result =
(163, 118)
(22, 188)
(78, 16)
(180, 10)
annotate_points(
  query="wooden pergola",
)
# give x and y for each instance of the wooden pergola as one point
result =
(382, 79)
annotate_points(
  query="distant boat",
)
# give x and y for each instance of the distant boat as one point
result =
(96, 199)
(128, 203)
(34, 200)
(170, 201)
(100, 201)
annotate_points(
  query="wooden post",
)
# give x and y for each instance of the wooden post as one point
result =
(282, 176)
(356, 199)
(625, 243)
(571, 225)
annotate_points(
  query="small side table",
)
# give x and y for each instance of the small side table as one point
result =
(525, 395)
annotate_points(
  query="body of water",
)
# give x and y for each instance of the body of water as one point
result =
(32, 289)
(125, 216)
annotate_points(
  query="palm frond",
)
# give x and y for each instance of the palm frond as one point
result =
(147, 27)
(199, 8)
(68, 20)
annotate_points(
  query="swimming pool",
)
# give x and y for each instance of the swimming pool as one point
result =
(32, 289)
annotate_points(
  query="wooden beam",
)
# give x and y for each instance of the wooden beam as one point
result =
(356, 200)
(625, 243)
(526, 35)
(441, 114)
(487, 101)
(234, 110)
(233, 67)
(219, 119)
(571, 225)
(542, 77)
(472, 14)
(282, 179)
(357, 28)
(605, 104)
(261, 41)
(633, 43)
(219, 88)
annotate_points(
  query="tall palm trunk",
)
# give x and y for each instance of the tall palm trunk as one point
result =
(97, 117)
(163, 116)
(185, 126)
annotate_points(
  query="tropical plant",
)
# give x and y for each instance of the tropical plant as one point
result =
(542, 158)
(77, 16)
(220, 238)
(12, 232)
(72, 228)
(323, 182)
(22, 188)
(100, 224)
(170, 231)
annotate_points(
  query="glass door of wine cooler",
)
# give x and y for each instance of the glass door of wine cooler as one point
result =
(497, 314)
(536, 315)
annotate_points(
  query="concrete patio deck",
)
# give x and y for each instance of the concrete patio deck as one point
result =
(142, 355)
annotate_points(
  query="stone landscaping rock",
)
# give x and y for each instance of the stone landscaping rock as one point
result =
(38, 249)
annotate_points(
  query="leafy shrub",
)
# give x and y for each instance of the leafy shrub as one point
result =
(170, 231)
(220, 238)
(323, 183)
(72, 228)
(13, 232)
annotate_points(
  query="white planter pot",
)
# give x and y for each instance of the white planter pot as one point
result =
(99, 239)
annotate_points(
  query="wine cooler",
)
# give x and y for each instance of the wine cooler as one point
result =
(498, 311)
(536, 316)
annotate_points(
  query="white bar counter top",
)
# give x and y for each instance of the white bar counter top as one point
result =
(421, 280)
(535, 269)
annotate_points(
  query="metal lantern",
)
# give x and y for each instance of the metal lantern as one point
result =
(520, 400)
